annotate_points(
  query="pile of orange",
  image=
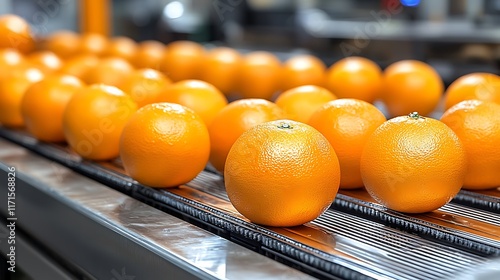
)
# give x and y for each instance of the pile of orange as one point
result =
(285, 134)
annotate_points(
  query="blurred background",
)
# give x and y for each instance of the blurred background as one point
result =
(454, 36)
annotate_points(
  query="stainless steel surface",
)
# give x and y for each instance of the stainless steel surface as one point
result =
(106, 233)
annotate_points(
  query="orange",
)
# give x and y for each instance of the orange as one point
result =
(182, 60)
(110, 71)
(43, 104)
(355, 77)
(409, 86)
(9, 59)
(220, 67)
(79, 65)
(259, 75)
(480, 86)
(301, 70)
(477, 124)
(281, 173)
(45, 60)
(145, 86)
(164, 145)
(202, 97)
(63, 43)
(93, 121)
(15, 32)
(93, 43)
(301, 102)
(413, 164)
(122, 47)
(148, 55)
(12, 88)
(347, 124)
(233, 120)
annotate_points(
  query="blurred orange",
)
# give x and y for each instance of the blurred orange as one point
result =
(149, 54)
(281, 173)
(9, 59)
(220, 67)
(45, 60)
(477, 125)
(164, 145)
(347, 124)
(110, 71)
(413, 164)
(12, 89)
(303, 70)
(79, 65)
(63, 43)
(145, 86)
(93, 43)
(122, 47)
(409, 86)
(355, 77)
(480, 86)
(182, 60)
(48, 97)
(93, 121)
(234, 119)
(259, 75)
(301, 102)
(15, 32)
(202, 97)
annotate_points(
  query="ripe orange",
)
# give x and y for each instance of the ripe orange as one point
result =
(110, 71)
(281, 173)
(259, 75)
(234, 119)
(477, 124)
(43, 104)
(93, 121)
(355, 77)
(413, 164)
(149, 55)
(12, 88)
(9, 59)
(480, 86)
(220, 67)
(122, 47)
(164, 145)
(63, 43)
(347, 124)
(409, 86)
(301, 102)
(93, 43)
(15, 32)
(301, 70)
(201, 97)
(79, 65)
(145, 86)
(47, 61)
(182, 60)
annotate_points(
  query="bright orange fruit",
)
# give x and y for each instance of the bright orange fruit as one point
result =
(413, 164)
(301, 102)
(164, 145)
(9, 59)
(220, 67)
(45, 60)
(480, 86)
(201, 97)
(234, 119)
(347, 124)
(122, 47)
(182, 60)
(281, 173)
(259, 75)
(63, 43)
(301, 70)
(477, 124)
(355, 77)
(145, 86)
(79, 65)
(149, 54)
(409, 86)
(111, 71)
(93, 43)
(15, 32)
(48, 97)
(93, 121)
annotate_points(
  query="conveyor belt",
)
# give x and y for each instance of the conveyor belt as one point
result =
(355, 239)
